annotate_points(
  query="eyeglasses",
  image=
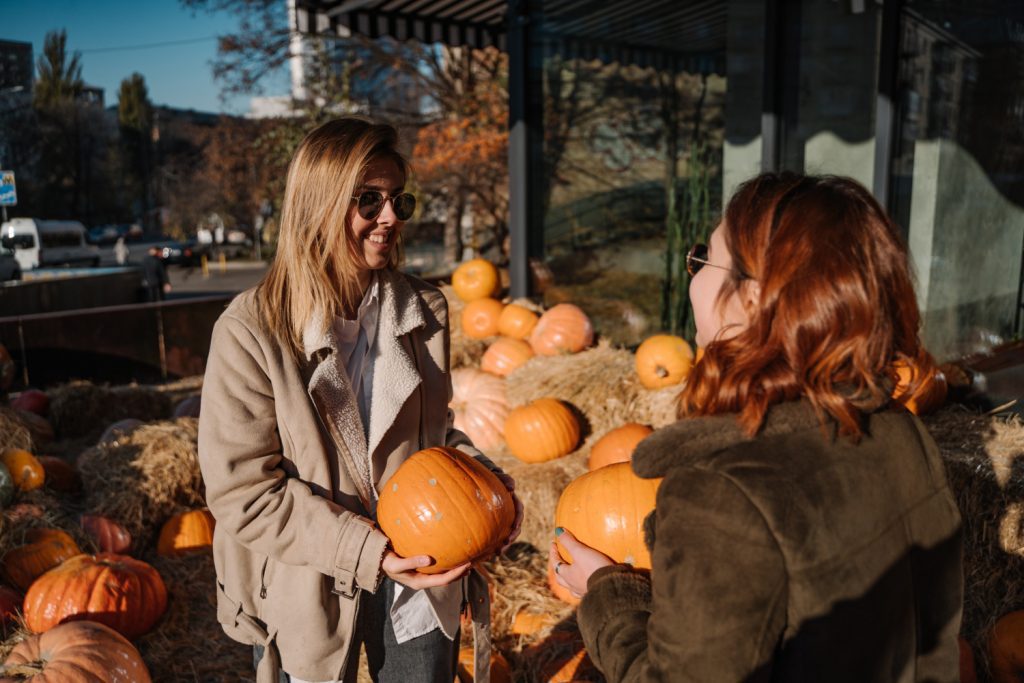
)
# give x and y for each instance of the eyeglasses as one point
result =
(370, 203)
(697, 258)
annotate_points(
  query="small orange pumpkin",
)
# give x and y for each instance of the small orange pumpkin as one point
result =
(931, 392)
(542, 430)
(517, 321)
(25, 469)
(606, 509)
(505, 355)
(663, 360)
(75, 652)
(1006, 648)
(480, 318)
(444, 503)
(529, 623)
(475, 279)
(500, 671)
(60, 474)
(109, 536)
(480, 406)
(617, 445)
(185, 532)
(562, 329)
(44, 549)
(123, 593)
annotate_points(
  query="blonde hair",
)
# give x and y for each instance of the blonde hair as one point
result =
(310, 274)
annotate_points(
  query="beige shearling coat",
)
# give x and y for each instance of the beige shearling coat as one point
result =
(290, 474)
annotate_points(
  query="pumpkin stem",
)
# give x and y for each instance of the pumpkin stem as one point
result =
(24, 670)
(661, 372)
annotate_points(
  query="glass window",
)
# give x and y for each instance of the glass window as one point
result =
(51, 240)
(18, 241)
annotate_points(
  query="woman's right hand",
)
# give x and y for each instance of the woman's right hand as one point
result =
(403, 570)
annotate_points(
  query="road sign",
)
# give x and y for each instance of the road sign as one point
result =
(8, 194)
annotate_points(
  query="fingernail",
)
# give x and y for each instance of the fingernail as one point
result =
(558, 531)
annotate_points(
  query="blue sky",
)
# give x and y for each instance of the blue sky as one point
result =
(178, 75)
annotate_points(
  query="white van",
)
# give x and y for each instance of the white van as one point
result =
(38, 243)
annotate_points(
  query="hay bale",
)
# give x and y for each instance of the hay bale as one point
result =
(83, 409)
(144, 477)
(984, 458)
(39, 508)
(14, 433)
(188, 644)
(464, 352)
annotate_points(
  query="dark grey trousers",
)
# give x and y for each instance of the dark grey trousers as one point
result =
(430, 658)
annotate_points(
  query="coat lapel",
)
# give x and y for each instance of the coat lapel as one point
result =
(395, 375)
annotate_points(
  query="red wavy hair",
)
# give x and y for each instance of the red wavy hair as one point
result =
(836, 306)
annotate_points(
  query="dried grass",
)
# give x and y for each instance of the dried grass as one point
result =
(145, 476)
(14, 433)
(984, 457)
(39, 508)
(83, 410)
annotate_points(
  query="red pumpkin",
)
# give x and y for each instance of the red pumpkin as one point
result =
(617, 445)
(127, 595)
(109, 536)
(505, 356)
(542, 430)
(43, 550)
(38, 426)
(186, 532)
(32, 400)
(968, 672)
(76, 652)
(480, 406)
(1006, 648)
(10, 605)
(445, 504)
(60, 475)
(562, 329)
(606, 509)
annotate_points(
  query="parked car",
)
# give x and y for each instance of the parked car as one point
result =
(194, 251)
(43, 243)
(9, 267)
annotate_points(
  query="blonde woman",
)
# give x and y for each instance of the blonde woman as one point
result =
(320, 382)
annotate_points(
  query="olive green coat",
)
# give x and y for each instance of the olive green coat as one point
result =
(793, 556)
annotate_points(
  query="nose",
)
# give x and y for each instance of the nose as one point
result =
(387, 213)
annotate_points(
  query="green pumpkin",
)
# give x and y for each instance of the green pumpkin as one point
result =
(6, 486)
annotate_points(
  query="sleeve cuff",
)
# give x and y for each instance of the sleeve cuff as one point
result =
(620, 588)
(357, 560)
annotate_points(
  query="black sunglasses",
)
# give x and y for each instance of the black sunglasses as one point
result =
(370, 203)
(697, 258)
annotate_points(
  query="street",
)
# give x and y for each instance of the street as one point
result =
(237, 276)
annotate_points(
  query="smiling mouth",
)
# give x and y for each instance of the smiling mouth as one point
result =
(378, 238)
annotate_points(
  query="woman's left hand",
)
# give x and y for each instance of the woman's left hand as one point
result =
(585, 561)
(517, 524)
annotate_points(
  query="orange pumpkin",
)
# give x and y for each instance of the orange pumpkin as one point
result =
(505, 355)
(663, 360)
(517, 321)
(127, 595)
(617, 445)
(606, 509)
(445, 504)
(500, 671)
(1006, 648)
(562, 329)
(60, 475)
(109, 536)
(560, 591)
(185, 532)
(25, 469)
(475, 279)
(930, 393)
(480, 406)
(529, 623)
(480, 318)
(44, 549)
(560, 658)
(968, 672)
(542, 430)
(76, 652)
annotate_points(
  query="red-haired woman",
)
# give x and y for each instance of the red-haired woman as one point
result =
(804, 530)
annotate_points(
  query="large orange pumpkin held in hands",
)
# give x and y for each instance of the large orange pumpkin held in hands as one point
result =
(542, 430)
(444, 503)
(617, 445)
(516, 322)
(127, 595)
(606, 509)
(663, 360)
(562, 329)
(475, 279)
(76, 652)
(480, 406)
(505, 355)
(480, 318)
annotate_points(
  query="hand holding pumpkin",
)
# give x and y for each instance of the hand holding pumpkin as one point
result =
(403, 570)
(574, 575)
